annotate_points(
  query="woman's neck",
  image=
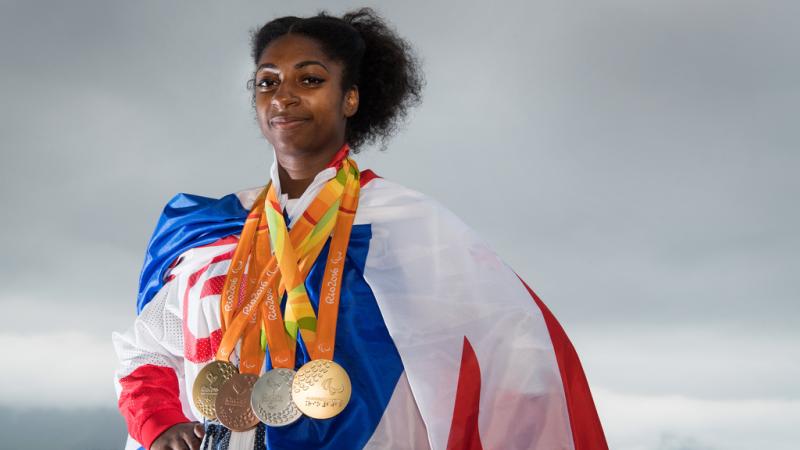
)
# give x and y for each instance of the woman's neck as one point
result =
(297, 171)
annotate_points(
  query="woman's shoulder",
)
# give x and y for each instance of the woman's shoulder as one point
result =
(248, 196)
(388, 203)
(190, 229)
(384, 195)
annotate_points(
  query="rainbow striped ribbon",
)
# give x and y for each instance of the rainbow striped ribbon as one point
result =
(315, 226)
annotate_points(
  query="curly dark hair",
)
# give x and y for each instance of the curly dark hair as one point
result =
(378, 61)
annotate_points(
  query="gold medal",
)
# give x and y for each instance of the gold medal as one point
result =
(207, 384)
(233, 403)
(321, 389)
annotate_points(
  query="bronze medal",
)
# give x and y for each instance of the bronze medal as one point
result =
(207, 384)
(321, 389)
(272, 398)
(233, 403)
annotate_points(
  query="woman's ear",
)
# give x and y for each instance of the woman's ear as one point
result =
(351, 101)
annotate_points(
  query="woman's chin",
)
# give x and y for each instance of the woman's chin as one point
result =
(285, 144)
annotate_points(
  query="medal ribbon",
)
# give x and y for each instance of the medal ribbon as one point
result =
(299, 312)
(308, 237)
(246, 261)
(331, 289)
(261, 301)
(229, 302)
(282, 349)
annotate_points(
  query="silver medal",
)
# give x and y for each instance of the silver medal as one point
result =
(272, 398)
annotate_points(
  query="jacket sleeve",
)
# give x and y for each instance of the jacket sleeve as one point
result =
(151, 367)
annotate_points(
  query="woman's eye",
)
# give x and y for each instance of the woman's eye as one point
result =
(312, 80)
(266, 83)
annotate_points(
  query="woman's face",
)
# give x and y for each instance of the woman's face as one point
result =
(300, 105)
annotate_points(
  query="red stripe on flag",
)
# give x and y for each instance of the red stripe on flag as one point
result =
(199, 350)
(367, 176)
(224, 241)
(464, 433)
(213, 285)
(340, 155)
(587, 432)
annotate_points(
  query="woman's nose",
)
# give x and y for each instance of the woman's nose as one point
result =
(284, 97)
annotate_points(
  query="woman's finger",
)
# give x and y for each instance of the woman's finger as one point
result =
(192, 442)
(199, 431)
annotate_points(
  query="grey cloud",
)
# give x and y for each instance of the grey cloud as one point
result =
(68, 429)
(670, 441)
(634, 161)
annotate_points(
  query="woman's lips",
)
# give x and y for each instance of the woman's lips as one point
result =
(287, 123)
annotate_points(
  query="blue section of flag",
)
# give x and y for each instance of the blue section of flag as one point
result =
(363, 347)
(187, 221)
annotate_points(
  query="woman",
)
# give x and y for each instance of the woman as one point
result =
(413, 333)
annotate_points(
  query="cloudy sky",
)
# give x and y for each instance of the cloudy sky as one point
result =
(635, 161)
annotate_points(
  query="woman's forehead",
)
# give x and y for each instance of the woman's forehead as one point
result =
(291, 49)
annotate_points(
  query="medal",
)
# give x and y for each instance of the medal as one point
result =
(321, 389)
(206, 386)
(233, 403)
(272, 398)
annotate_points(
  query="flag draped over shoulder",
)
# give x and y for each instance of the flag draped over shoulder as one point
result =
(447, 347)
(187, 221)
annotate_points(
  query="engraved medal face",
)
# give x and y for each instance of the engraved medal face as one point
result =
(321, 389)
(207, 384)
(233, 403)
(272, 398)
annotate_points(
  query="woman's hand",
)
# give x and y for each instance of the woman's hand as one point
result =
(182, 436)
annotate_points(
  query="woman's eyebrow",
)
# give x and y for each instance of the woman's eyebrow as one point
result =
(299, 65)
(302, 64)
